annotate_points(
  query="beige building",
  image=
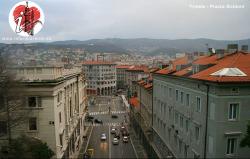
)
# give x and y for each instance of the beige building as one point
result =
(56, 98)
(100, 77)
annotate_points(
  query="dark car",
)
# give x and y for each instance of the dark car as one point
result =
(89, 118)
(114, 116)
(117, 135)
(98, 121)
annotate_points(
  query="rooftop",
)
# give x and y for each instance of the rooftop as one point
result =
(98, 63)
(234, 67)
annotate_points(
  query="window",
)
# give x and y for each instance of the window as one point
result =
(197, 133)
(187, 99)
(181, 121)
(235, 90)
(180, 146)
(59, 97)
(169, 113)
(187, 125)
(182, 97)
(176, 118)
(170, 92)
(198, 104)
(61, 139)
(231, 145)
(1, 102)
(176, 95)
(32, 101)
(3, 128)
(32, 124)
(60, 117)
(233, 111)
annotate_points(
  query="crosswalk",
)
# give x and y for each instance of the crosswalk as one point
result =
(108, 124)
(107, 112)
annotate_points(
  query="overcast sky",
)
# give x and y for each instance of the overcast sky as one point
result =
(165, 19)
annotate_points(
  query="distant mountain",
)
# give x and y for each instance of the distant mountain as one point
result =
(157, 46)
(142, 45)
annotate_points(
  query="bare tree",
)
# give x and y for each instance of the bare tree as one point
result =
(12, 100)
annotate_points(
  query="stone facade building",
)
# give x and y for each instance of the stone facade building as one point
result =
(100, 77)
(56, 99)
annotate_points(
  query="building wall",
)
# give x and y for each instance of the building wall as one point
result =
(63, 97)
(176, 122)
(101, 78)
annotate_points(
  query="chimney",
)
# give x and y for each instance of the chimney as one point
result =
(219, 53)
(244, 48)
(232, 48)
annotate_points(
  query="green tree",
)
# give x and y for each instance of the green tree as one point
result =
(29, 147)
(245, 142)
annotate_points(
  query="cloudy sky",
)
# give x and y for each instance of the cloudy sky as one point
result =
(165, 19)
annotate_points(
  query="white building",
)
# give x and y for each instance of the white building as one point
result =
(100, 77)
(56, 98)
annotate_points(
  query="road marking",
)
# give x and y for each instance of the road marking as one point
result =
(106, 112)
(88, 139)
(133, 147)
(109, 144)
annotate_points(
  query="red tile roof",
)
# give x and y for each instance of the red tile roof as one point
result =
(183, 71)
(204, 60)
(139, 68)
(134, 102)
(98, 63)
(240, 60)
(179, 61)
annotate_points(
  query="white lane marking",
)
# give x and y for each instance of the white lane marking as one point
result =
(88, 139)
(106, 112)
(133, 147)
(109, 143)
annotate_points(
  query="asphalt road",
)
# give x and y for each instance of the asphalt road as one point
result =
(105, 149)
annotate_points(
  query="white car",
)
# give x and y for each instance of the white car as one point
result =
(125, 139)
(113, 130)
(103, 136)
(115, 141)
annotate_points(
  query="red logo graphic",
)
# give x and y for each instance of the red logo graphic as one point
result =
(26, 18)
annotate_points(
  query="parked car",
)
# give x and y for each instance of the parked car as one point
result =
(114, 116)
(122, 128)
(125, 139)
(98, 121)
(103, 137)
(115, 141)
(113, 130)
(89, 118)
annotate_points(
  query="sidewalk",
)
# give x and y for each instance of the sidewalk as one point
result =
(84, 143)
(141, 153)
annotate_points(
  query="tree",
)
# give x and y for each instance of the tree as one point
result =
(12, 100)
(245, 142)
(28, 147)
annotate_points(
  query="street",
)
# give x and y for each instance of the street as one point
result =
(105, 149)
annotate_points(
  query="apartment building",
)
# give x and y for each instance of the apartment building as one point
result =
(100, 77)
(56, 100)
(121, 75)
(134, 74)
(201, 106)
